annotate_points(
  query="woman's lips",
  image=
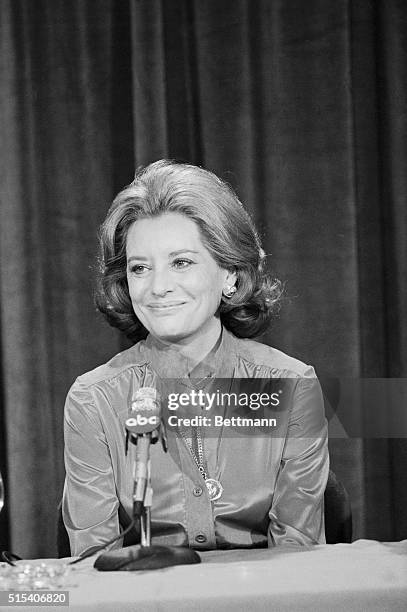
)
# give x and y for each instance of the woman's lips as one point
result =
(165, 307)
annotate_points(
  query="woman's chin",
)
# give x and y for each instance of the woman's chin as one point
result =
(171, 334)
(183, 330)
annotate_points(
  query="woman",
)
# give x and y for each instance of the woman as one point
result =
(182, 275)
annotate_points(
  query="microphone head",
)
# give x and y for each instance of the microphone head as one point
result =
(144, 411)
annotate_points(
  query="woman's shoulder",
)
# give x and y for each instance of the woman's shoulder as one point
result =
(103, 391)
(267, 356)
(117, 365)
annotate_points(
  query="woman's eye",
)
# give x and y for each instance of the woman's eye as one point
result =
(138, 269)
(182, 263)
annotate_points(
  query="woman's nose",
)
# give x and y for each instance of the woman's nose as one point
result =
(161, 282)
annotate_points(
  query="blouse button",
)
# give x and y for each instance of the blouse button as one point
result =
(201, 538)
(197, 491)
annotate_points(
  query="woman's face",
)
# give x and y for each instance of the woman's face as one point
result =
(175, 285)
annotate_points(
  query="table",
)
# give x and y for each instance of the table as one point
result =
(364, 575)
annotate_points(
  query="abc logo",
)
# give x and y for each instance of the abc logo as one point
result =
(140, 420)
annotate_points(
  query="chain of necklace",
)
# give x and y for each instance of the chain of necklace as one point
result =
(199, 460)
(214, 487)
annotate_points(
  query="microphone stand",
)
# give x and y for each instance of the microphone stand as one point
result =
(145, 517)
(146, 556)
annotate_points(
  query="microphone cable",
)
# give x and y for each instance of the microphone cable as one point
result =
(10, 557)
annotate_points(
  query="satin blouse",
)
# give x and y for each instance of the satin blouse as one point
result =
(273, 481)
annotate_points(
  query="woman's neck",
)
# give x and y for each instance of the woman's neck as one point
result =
(194, 350)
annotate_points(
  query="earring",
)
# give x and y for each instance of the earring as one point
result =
(228, 293)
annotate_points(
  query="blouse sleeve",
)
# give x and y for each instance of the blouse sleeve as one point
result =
(90, 503)
(297, 512)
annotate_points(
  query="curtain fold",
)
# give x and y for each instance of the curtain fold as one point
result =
(57, 181)
(300, 106)
(149, 82)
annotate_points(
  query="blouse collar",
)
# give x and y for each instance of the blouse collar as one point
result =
(167, 361)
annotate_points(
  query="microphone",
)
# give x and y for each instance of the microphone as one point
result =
(142, 426)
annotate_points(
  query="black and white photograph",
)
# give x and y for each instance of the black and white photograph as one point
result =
(203, 305)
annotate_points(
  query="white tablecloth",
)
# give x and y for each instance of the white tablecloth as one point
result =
(365, 576)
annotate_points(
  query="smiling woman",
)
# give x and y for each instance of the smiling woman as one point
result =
(182, 274)
(223, 231)
(175, 285)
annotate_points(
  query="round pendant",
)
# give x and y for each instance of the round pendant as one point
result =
(214, 487)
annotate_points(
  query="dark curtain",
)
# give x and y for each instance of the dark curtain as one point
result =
(67, 146)
(299, 104)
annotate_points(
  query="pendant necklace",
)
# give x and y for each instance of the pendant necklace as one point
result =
(213, 486)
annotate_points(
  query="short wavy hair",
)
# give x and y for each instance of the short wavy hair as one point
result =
(226, 230)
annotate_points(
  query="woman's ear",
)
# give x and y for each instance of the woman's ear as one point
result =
(231, 278)
(229, 286)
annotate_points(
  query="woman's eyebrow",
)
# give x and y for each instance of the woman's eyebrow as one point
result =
(174, 253)
(137, 257)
